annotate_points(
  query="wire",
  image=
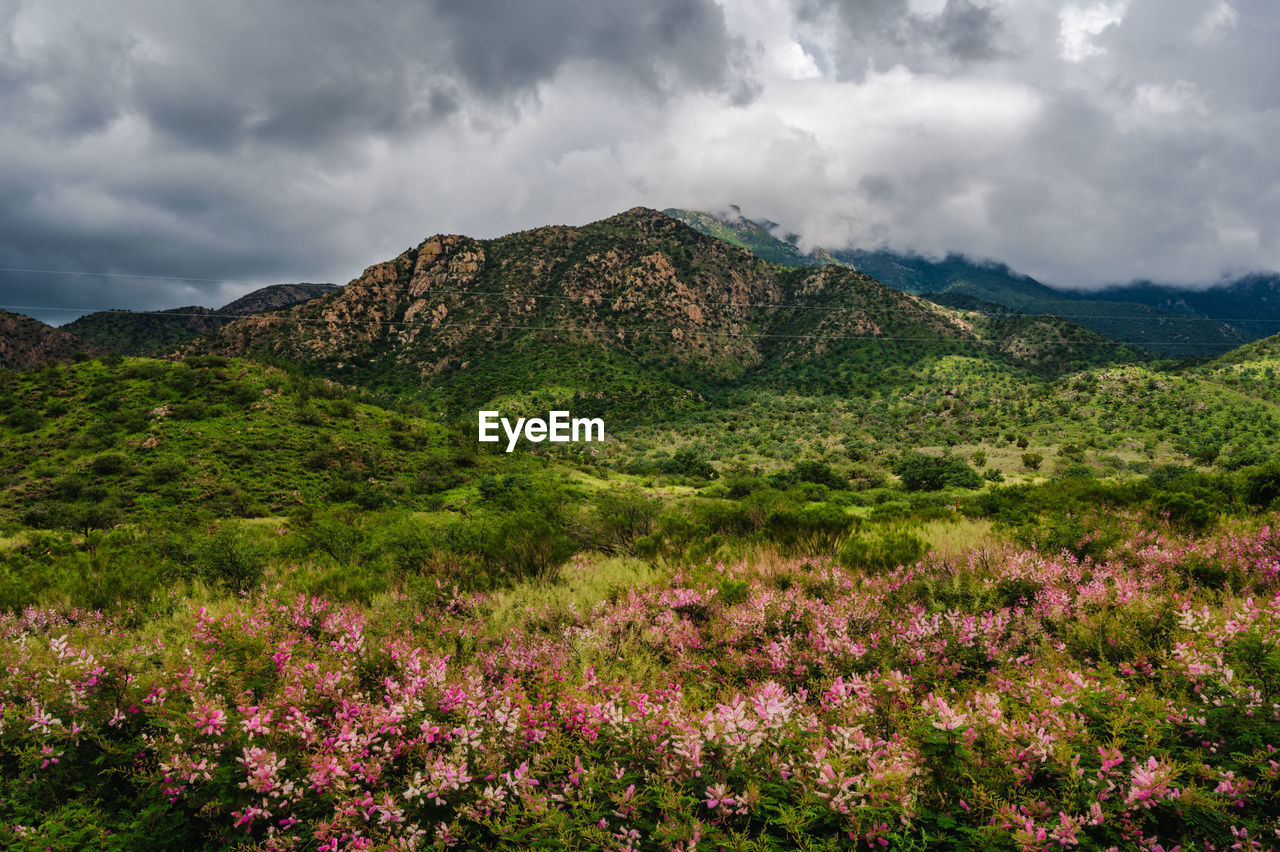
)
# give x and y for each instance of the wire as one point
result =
(650, 301)
(643, 331)
(559, 297)
(122, 275)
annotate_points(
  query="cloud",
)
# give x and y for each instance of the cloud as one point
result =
(252, 143)
(883, 33)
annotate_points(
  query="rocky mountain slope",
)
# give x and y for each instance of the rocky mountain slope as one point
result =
(623, 299)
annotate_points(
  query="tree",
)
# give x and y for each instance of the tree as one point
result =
(920, 472)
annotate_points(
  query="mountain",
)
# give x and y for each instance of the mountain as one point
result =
(162, 332)
(1250, 304)
(1165, 321)
(275, 297)
(638, 303)
(27, 342)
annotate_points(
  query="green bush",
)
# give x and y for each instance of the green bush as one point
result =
(687, 462)
(529, 545)
(1186, 511)
(920, 472)
(24, 420)
(229, 559)
(812, 530)
(109, 464)
(1260, 486)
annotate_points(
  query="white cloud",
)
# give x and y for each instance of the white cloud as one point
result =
(1080, 25)
(794, 63)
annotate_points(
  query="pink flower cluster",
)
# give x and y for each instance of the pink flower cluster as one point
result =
(666, 715)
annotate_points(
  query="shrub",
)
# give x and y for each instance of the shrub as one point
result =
(920, 472)
(1031, 461)
(24, 420)
(1186, 512)
(621, 518)
(229, 559)
(528, 545)
(108, 464)
(819, 473)
(1260, 486)
(687, 462)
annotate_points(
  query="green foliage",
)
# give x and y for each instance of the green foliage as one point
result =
(24, 420)
(229, 559)
(688, 462)
(1186, 511)
(621, 518)
(528, 545)
(1260, 485)
(920, 472)
(812, 530)
(1031, 461)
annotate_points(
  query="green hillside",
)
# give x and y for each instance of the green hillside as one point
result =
(93, 444)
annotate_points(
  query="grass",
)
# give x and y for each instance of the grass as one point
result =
(948, 539)
(579, 586)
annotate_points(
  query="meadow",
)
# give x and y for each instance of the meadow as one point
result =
(244, 608)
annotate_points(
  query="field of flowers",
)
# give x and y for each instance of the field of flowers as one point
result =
(1005, 700)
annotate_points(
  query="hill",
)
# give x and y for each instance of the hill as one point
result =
(92, 444)
(638, 307)
(27, 342)
(163, 332)
(1250, 304)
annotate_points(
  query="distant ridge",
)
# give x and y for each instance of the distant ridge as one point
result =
(162, 332)
(1165, 321)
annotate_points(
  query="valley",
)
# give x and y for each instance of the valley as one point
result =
(850, 568)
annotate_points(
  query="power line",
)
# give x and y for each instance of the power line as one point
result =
(560, 297)
(645, 301)
(637, 331)
(123, 275)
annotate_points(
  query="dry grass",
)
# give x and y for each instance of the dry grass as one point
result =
(949, 539)
(582, 583)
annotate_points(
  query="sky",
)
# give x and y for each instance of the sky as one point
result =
(180, 153)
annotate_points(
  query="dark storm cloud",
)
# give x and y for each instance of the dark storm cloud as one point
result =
(168, 138)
